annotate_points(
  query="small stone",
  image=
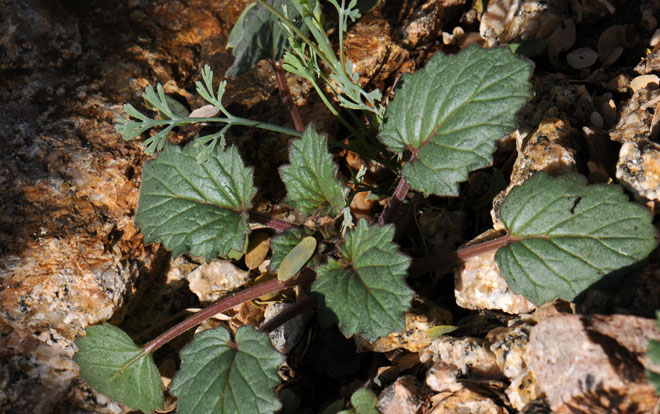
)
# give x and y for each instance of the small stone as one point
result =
(619, 83)
(649, 82)
(469, 355)
(464, 401)
(289, 334)
(211, 281)
(655, 38)
(442, 377)
(648, 20)
(597, 120)
(608, 110)
(582, 58)
(418, 320)
(405, 396)
(582, 366)
(478, 284)
(650, 63)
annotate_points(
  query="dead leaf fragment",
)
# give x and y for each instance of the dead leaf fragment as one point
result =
(257, 250)
(582, 58)
(205, 111)
(649, 82)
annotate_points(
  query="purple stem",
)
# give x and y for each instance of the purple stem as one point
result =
(395, 202)
(224, 304)
(285, 93)
(444, 262)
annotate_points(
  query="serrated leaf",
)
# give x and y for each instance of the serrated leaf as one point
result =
(366, 288)
(653, 354)
(449, 115)
(282, 245)
(296, 258)
(258, 35)
(196, 207)
(364, 401)
(113, 365)
(567, 235)
(222, 376)
(310, 178)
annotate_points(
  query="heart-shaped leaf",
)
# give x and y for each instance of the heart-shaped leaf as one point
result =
(566, 235)
(366, 288)
(449, 115)
(222, 376)
(196, 207)
(113, 365)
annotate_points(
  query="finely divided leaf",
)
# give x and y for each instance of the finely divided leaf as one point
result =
(112, 364)
(196, 207)
(258, 35)
(222, 376)
(310, 178)
(567, 235)
(366, 288)
(449, 115)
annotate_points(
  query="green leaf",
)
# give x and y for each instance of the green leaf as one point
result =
(364, 401)
(113, 365)
(366, 289)
(222, 376)
(258, 35)
(296, 258)
(310, 178)
(449, 115)
(567, 235)
(654, 354)
(196, 207)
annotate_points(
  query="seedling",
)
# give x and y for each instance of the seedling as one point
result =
(563, 235)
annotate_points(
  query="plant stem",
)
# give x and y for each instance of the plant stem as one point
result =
(234, 120)
(395, 202)
(273, 223)
(301, 305)
(222, 305)
(285, 94)
(444, 262)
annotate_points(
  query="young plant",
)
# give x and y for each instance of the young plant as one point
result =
(563, 235)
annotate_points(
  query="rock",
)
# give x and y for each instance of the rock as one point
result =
(374, 54)
(71, 254)
(550, 148)
(213, 280)
(289, 333)
(593, 364)
(505, 20)
(470, 356)
(478, 284)
(638, 168)
(422, 316)
(405, 396)
(648, 64)
(442, 377)
(426, 22)
(464, 401)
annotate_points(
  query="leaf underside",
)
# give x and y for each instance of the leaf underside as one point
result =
(196, 207)
(449, 115)
(222, 376)
(569, 235)
(310, 178)
(104, 357)
(257, 35)
(366, 288)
